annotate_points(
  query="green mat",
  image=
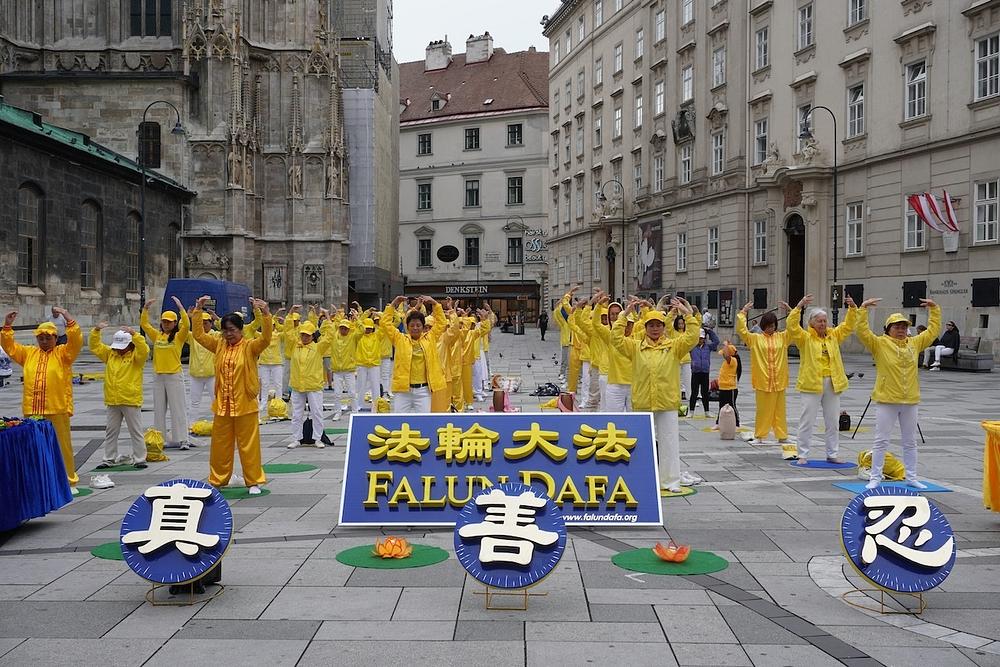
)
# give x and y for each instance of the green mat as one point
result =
(362, 557)
(282, 468)
(685, 491)
(83, 491)
(240, 492)
(108, 551)
(334, 431)
(644, 560)
(124, 467)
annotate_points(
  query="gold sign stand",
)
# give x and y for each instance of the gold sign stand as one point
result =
(187, 600)
(883, 608)
(521, 594)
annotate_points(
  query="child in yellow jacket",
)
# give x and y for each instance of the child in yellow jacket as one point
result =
(124, 361)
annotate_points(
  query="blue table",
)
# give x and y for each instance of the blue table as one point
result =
(32, 475)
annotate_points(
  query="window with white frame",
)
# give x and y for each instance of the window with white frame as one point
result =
(719, 66)
(472, 251)
(637, 170)
(555, 104)
(658, 173)
(640, 43)
(616, 124)
(618, 58)
(659, 26)
(805, 36)
(913, 230)
(581, 80)
(804, 116)
(916, 90)
(579, 268)
(423, 252)
(682, 251)
(616, 170)
(855, 229)
(618, 5)
(857, 11)
(555, 51)
(569, 93)
(684, 173)
(598, 121)
(472, 193)
(659, 98)
(687, 83)
(856, 110)
(761, 38)
(579, 198)
(760, 241)
(760, 141)
(567, 147)
(598, 12)
(638, 111)
(988, 67)
(718, 153)
(687, 11)
(581, 29)
(515, 190)
(515, 134)
(598, 71)
(567, 211)
(555, 151)
(423, 196)
(596, 266)
(579, 138)
(713, 247)
(986, 211)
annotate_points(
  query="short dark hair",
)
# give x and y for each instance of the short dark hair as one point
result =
(416, 315)
(678, 321)
(232, 318)
(768, 320)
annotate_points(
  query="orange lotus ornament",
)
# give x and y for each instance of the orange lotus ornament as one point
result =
(672, 553)
(393, 547)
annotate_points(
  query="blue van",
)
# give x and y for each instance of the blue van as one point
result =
(226, 298)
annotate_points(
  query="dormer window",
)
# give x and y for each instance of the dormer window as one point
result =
(435, 105)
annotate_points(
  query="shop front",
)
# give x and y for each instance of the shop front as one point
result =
(507, 299)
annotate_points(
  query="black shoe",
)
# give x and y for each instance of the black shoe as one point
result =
(139, 466)
(104, 465)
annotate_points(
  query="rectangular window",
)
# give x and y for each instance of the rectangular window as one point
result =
(567, 148)
(471, 138)
(555, 151)
(566, 209)
(88, 226)
(616, 126)
(579, 268)
(472, 193)
(472, 251)
(804, 125)
(151, 18)
(618, 58)
(684, 174)
(423, 252)
(640, 43)
(132, 254)
(760, 141)
(913, 231)
(659, 26)
(598, 119)
(596, 266)
(555, 104)
(515, 134)
(719, 66)
(515, 190)
(555, 51)
(579, 198)
(637, 170)
(424, 144)
(855, 229)
(569, 94)
(659, 98)
(760, 241)
(28, 232)
(569, 41)
(805, 26)
(713, 247)
(988, 67)
(515, 250)
(718, 153)
(687, 11)
(598, 12)
(857, 11)
(986, 212)
(658, 173)
(916, 90)
(579, 139)
(618, 5)
(581, 78)
(856, 110)
(761, 40)
(423, 196)
(687, 83)
(598, 71)
(638, 111)
(581, 30)
(682, 251)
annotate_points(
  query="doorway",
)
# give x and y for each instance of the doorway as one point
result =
(795, 231)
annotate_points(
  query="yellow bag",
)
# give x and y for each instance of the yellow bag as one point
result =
(789, 451)
(201, 427)
(549, 405)
(154, 446)
(892, 470)
(382, 404)
(276, 407)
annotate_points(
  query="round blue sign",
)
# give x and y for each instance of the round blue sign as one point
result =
(177, 531)
(898, 539)
(510, 536)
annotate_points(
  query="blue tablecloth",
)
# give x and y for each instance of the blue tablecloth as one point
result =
(32, 475)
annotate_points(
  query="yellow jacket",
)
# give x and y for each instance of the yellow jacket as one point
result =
(896, 361)
(656, 375)
(768, 356)
(306, 371)
(201, 362)
(369, 348)
(727, 373)
(581, 341)
(275, 352)
(565, 335)
(237, 383)
(674, 333)
(122, 372)
(48, 376)
(619, 365)
(343, 349)
(403, 345)
(167, 353)
(454, 334)
(598, 347)
(811, 348)
(470, 345)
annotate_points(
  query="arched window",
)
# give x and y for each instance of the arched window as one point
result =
(29, 235)
(90, 233)
(132, 252)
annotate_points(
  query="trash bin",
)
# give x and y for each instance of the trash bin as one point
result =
(991, 466)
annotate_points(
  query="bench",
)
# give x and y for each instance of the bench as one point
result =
(968, 357)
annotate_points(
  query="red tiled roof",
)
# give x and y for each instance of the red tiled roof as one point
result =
(512, 80)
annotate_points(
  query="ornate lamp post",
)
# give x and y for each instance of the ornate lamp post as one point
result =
(806, 133)
(602, 198)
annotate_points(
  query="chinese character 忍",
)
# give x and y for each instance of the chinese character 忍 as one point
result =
(885, 511)
(508, 532)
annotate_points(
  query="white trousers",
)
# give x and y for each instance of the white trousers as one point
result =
(479, 376)
(811, 404)
(133, 420)
(686, 379)
(583, 391)
(618, 398)
(564, 361)
(939, 351)
(271, 378)
(199, 387)
(668, 447)
(168, 393)
(886, 416)
(416, 400)
(315, 402)
(602, 384)
(345, 381)
(385, 373)
(368, 381)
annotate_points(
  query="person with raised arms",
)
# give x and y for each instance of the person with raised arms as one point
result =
(168, 375)
(416, 369)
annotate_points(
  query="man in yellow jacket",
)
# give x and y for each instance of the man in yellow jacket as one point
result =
(821, 374)
(769, 372)
(271, 365)
(897, 383)
(417, 368)
(368, 354)
(201, 368)
(656, 379)
(308, 377)
(123, 361)
(48, 378)
(343, 361)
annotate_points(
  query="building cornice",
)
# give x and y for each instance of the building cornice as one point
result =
(458, 118)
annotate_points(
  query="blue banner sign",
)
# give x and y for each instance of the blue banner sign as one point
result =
(421, 470)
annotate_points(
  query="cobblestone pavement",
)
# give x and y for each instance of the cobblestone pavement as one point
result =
(288, 601)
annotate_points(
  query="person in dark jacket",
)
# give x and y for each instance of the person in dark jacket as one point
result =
(945, 346)
(543, 323)
(701, 367)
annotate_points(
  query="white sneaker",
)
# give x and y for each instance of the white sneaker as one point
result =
(320, 444)
(916, 484)
(689, 479)
(872, 484)
(293, 444)
(236, 480)
(935, 368)
(254, 490)
(936, 365)
(336, 417)
(185, 446)
(672, 488)
(74, 491)
(101, 482)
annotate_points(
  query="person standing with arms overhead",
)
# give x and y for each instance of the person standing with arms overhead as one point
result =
(271, 364)
(769, 372)
(342, 352)
(543, 323)
(701, 368)
(897, 383)
(201, 368)
(237, 386)
(560, 315)
(416, 370)
(168, 378)
(821, 374)
(308, 377)
(124, 360)
(369, 357)
(48, 378)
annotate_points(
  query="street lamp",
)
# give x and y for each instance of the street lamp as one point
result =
(177, 130)
(806, 133)
(602, 198)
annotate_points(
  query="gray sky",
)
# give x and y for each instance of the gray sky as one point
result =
(513, 24)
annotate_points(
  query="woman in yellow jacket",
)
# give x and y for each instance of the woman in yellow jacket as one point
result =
(237, 386)
(769, 372)
(451, 364)
(201, 367)
(416, 371)
(308, 377)
(897, 383)
(342, 352)
(821, 374)
(168, 379)
(618, 391)
(271, 365)
(656, 360)
(729, 379)
(441, 401)
(48, 378)
(123, 361)
(581, 350)
(368, 354)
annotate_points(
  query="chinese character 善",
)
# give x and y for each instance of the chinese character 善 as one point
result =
(508, 532)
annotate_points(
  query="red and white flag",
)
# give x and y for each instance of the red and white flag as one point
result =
(925, 207)
(950, 218)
